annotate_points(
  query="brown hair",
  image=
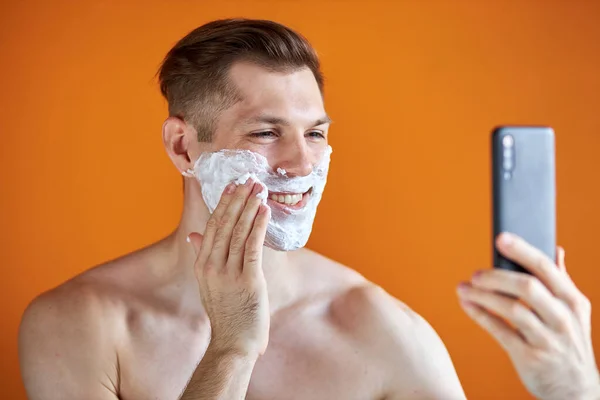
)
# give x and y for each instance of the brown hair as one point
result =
(193, 75)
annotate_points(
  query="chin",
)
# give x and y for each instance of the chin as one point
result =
(277, 245)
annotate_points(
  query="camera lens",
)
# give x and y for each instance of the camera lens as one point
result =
(508, 141)
(508, 164)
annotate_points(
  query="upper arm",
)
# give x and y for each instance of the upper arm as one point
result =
(64, 349)
(431, 369)
(412, 356)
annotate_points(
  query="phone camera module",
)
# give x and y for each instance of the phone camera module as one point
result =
(508, 155)
(508, 141)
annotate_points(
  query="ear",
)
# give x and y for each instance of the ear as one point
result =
(179, 139)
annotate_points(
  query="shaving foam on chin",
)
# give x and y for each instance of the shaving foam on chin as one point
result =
(288, 229)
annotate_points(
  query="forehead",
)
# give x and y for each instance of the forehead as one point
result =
(293, 94)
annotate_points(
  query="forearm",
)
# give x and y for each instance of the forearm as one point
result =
(221, 375)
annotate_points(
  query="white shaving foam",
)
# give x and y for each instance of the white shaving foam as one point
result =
(288, 229)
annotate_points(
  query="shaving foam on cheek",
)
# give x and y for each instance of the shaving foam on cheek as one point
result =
(288, 229)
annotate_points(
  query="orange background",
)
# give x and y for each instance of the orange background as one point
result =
(413, 87)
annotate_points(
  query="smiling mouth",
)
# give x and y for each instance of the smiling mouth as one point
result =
(290, 200)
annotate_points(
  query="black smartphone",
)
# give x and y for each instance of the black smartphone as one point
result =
(524, 188)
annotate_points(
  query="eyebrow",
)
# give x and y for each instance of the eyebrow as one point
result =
(269, 119)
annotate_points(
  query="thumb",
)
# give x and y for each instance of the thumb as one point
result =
(195, 239)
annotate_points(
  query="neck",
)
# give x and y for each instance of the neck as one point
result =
(278, 267)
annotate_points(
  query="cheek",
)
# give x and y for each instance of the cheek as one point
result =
(278, 153)
(318, 150)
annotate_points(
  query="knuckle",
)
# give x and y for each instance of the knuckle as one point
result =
(224, 221)
(236, 246)
(564, 316)
(223, 203)
(225, 198)
(540, 262)
(582, 305)
(570, 300)
(208, 267)
(515, 309)
(212, 223)
(252, 255)
(587, 304)
(238, 231)
(528, 286)
(564, 324)
(240, 196)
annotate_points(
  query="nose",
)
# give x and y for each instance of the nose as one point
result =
(296, 159)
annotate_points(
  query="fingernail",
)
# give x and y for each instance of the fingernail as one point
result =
(476, 274)
(262, 209)
(257, 188)
(230, 188)
(506, 239)
(249, 182)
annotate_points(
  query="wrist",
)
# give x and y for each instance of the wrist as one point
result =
(224, 349)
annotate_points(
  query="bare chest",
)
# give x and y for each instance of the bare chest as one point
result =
(303, 361)
(306, 367)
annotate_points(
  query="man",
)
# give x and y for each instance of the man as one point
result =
(211, 313)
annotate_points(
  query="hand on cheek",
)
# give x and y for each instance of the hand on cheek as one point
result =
(542, 320)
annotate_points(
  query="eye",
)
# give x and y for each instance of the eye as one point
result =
(263, 134)
(316, 134)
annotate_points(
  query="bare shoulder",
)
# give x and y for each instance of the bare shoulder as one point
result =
(399, 341)
(79, 301)
(67, 340)
(326, 272)
(89, 299)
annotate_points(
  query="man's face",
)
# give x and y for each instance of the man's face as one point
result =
(280, 116)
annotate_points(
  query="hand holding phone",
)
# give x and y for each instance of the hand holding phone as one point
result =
(541, 319)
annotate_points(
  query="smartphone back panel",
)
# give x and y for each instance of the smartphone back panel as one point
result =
(524, 193)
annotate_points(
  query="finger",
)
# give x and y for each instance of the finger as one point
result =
(540, 265)
(243, 229)
(195, 239)
(254, 244)
(213, 222)
(507, 337)
(220, 246)
(560, 259)
(511, 310)
(525, 287)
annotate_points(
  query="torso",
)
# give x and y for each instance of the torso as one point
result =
(310, 354)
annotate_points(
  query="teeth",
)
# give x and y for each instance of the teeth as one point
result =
(289, 199)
